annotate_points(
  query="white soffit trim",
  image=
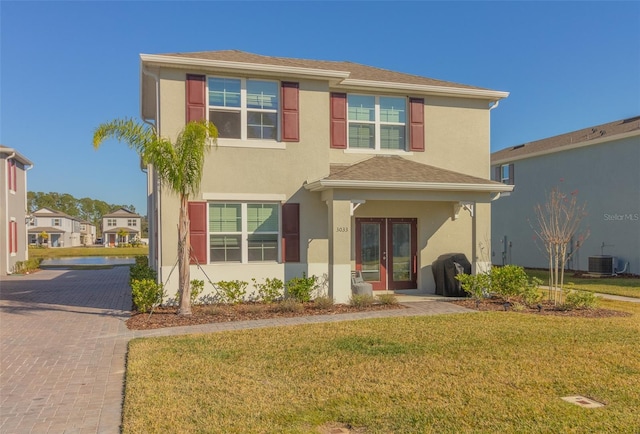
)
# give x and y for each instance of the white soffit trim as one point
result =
(568, 147)
(245, 197)
(426, 88)
(395, 185)
(235, 66)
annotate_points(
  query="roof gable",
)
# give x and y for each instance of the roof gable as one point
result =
(121, 212)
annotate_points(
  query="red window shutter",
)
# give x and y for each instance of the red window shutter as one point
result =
(196, 98)
(290, 112)
(291, 232)
(338, 109)
(416, 118)
(198, 232)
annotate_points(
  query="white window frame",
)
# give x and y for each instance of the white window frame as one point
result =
(56, 222)
(244, 233)
(243, 110)
(111, 222)
(504, 168)
(377, 125)
(132, 222)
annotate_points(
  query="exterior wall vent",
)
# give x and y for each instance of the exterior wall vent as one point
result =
(602, 265)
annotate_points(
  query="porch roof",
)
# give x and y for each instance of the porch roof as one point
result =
(397, 173)
(49, 229)
(116, 230)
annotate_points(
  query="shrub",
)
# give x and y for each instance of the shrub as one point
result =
(22, 267)
(232, 291)
(141, 270)
(531, 294)
(476, 285)
(197, 286)
(508, 281)
(361, 300)
(387, 299)
(577, 299)
(301, 288)
(289, 305)
(146, 293)
(323, 302)
(270, 290)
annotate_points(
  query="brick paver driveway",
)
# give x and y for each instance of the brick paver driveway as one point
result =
(62, 351)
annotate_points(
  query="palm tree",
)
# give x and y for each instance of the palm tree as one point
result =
(178, 166)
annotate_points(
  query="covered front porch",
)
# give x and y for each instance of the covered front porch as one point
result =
(390, 218)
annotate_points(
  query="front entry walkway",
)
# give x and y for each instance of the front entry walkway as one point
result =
(63, 343)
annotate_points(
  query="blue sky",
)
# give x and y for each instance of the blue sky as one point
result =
(68, 66)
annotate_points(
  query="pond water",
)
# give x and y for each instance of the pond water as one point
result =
(87, 260)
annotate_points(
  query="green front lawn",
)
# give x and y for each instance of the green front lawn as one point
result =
(478, 372)
(625, 286)
(61, 252)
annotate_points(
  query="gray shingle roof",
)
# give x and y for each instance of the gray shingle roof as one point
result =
(357, 71)
(558, 143)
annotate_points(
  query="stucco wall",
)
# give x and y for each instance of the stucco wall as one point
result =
(604, 176)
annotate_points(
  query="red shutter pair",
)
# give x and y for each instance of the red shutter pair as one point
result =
(338, 116)
(198, 233)
(197, 105)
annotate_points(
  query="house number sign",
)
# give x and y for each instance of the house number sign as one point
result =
(342, 229)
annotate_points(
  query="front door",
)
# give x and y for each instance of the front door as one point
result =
(386, 252)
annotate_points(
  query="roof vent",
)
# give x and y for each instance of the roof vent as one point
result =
(626, 121)
(517, 147)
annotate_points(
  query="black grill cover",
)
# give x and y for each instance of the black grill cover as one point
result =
(445, 269)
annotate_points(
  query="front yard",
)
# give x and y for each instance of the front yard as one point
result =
(618, 285)
(62, 252)
(477, 372)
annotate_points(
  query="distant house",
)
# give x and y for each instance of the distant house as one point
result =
(13, 203)
(322, 168)
(120, 227)
(602, 165)
(87, 233)
(62, 230)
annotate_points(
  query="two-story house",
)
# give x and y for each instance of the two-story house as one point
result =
(598, 163)
(87, 233)
(322, 168)
(120, 227)
(13, 206)
(62, 230)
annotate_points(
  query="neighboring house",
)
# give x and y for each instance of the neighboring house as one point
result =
(120, 227)
(62, 229)
(87, 233)
(322, 168)
(601, 165)
(13, 208)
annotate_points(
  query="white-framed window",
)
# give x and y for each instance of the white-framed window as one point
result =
(506, 173)
(244, 232)
(132, 222)
(56, 222)
(33, 222)
(111, 222)
(244, 109)
(377, 122)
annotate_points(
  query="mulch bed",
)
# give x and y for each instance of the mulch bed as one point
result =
(167, 317)
(546, 308)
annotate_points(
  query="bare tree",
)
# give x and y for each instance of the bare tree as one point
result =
(559, 221)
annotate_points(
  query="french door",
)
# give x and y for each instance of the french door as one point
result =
(386, 252)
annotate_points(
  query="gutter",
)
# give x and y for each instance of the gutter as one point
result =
(321, 185)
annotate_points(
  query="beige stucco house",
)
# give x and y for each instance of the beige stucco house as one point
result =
(601, 165)
(322, 168)
(120, 226)
(13, 208)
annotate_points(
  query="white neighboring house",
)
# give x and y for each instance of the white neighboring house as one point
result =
(62, 229)
(87, 233)
(13, 206)
(120, 227)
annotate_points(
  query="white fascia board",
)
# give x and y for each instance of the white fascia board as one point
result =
(394, 185)
(568, 147)
(160, 60)
(493, 95)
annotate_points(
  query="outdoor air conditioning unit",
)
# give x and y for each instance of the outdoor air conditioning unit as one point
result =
(602, 265)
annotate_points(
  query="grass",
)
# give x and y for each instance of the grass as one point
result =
(478, 372)
(624, 286)
(61, 252)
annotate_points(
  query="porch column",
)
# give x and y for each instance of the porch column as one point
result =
(339, 250)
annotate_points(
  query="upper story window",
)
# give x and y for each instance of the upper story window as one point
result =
(377, 122)
(56, 222)
(83, 227)
(33, 222)
(244, 109)
(12, 176)
(111, 222)
(132, 222)
(505, 174)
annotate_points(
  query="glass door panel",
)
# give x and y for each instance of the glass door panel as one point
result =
(370, 251)
(401, 252)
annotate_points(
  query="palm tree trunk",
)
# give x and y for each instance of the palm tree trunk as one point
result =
(183, 258)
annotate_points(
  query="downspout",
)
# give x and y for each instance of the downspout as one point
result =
(496, 104)
(26, 229)
(6, 218)
(155, 249)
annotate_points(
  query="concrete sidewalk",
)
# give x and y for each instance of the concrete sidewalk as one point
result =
(63, 343)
